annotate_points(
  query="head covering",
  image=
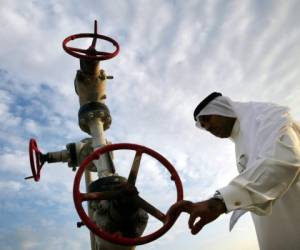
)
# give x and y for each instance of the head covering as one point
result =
(249, 114)
(205, 101)
(214, 104)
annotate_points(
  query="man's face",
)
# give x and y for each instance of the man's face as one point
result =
(220, 126)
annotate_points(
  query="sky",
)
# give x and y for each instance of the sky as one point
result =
(173, 54)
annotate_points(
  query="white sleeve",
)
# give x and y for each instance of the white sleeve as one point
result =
(270, 176)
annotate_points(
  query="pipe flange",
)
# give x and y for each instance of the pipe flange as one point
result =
(93, 110)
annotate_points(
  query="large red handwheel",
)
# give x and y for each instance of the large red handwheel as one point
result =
(36, 160)
(81, 197)
(91, 53)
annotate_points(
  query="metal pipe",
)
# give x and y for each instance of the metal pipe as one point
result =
(97, 132)
(98, 140)
(88, 180)
(58, 156)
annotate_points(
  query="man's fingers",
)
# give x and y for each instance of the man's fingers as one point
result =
(192, 219)
(178, 207)
(196, 223)
(197, 227)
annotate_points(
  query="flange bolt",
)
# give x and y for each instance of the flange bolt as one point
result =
(80, 224)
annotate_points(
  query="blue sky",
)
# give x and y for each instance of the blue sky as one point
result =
(173, 54)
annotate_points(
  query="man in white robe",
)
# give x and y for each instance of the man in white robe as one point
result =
(267, 146)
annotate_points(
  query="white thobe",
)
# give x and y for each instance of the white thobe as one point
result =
(267, 144)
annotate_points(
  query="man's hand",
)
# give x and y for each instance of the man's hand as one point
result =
(207, 211)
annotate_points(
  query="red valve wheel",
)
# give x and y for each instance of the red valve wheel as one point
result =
(91, 53)
(81, 197)
(36, 160)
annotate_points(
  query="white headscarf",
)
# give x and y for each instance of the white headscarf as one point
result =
(248, 113)
(221, 105)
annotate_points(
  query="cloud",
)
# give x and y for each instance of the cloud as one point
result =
(10, 186)
(45, 237)
(8, 160)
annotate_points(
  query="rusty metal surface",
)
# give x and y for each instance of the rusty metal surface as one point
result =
(92, 110)
(90, 88)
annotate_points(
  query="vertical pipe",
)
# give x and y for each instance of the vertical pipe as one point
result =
(97, 132)
(98, 140)
(88, 180)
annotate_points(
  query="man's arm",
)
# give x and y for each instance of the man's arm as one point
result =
(271, 175)
(255, 189)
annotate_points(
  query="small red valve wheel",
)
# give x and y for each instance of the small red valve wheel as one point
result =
(108, 195)
(36, 160)
(91, 53)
